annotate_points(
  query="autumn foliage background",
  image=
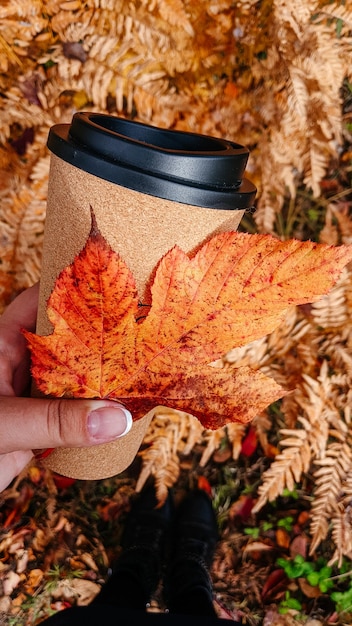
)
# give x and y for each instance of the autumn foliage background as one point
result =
(275, 76)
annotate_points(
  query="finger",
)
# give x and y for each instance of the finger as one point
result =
(14, 357)
(33, 423)
(22, 312)
(11, 465)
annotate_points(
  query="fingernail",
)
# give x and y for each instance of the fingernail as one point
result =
(109, 422)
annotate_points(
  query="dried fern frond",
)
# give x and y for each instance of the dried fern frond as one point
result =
(199, 66)
(162, 463)
(341, 534)
(329, 478)
(337, 11)
(342, 527)
(340, 211)
(174, 13)
(331, 311)
(212, 439)
(170, 435)
(287, 468)
(235, 434)
(22, 214)
(309, 122)
(320, 438)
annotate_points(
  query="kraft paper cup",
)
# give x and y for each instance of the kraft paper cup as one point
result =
(149, 189)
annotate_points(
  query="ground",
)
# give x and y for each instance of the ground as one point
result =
(59, 537)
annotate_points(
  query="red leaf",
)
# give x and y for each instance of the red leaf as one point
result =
(242, 508)
(62, 482)
(249, 443)
(205, 485)
(274, 584)
(234, 290)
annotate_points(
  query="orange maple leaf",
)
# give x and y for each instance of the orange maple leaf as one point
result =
(235, 289)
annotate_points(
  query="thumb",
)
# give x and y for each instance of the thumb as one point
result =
(34, 423)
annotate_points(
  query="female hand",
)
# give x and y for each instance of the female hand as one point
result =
(35, 423)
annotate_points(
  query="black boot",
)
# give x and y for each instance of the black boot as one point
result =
(188, 587)
(136, 573)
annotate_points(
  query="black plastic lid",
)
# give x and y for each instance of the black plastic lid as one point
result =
(183, 167)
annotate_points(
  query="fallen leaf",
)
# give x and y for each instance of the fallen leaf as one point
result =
(235, 289)
(222, 454)
(34, 579)
(19, 507)
(35, 474)
(303, 518)
(308, 590)
(22, 561)
(241, 508)
(273, 617)
(274, 584)
(205, 485)
(282, 538)
(257, 546)
(86, 590)
(5, 605)
(74, 50)
(88, 560)
(299, 545)
(10, 582)
(62, 482)
(249, 443)
(76, 591)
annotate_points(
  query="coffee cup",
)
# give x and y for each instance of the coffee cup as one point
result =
(150, 189)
